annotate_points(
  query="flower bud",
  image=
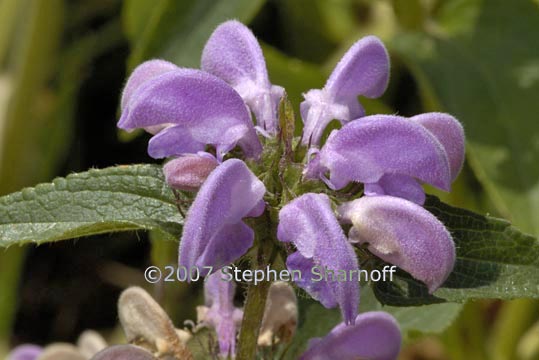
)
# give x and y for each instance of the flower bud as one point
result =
(188, 172)
(280, 315)
(90, 343)
(124, 352)
(146, 323)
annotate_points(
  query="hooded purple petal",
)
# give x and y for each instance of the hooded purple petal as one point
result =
(204, 109)
(404, 234)
(221, 314)
(363, 70)
(366, 149)
(25, 352)
(402, 186)
(189, 172)
(310, 224)
(233, 54)
(142, 73)
(374, 336)
(449, 133)
(214, 233)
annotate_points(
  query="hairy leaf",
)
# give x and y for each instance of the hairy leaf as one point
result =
(97, 201)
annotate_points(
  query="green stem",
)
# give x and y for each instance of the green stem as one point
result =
(252, 319)
(255, 302)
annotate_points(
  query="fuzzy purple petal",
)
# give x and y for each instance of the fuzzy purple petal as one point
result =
(310, 224)
(214, 233)
(366, 149)
(404, 234)
(25, 352)
(397, 185)
(363, 70)
(142, 73)
(321, 291)
(222, 315)
(208, 109)
(174, 140)
(233, 54)
(374, 336)
(450, 133)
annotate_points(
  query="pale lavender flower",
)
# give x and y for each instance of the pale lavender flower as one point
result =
(389, 153)
(404, 234)
(363, 70)
(233, 54)
(374, 336)
(310, 224)
(194, 108)
(220, 313)
(25, 352)
(214, 233)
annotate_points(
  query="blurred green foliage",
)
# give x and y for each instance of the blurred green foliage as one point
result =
(476, 59)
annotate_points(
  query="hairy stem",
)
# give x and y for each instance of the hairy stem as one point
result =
(255, 302)
(252, 318)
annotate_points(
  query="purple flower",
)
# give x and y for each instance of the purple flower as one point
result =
(214, 233)
(25, 352)
(310, 224)
(404, 234)
(363, 70)
(233, 54)
(374, 336)
(189, 109)
(388, 153)
(219, 312)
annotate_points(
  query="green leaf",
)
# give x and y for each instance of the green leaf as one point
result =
(177, 30)
(494, 260)
(94, 202)
(486, 73)
(431, 319)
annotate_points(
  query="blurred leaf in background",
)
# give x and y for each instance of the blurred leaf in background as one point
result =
(177, 30)
(40, 74)
(482, 67)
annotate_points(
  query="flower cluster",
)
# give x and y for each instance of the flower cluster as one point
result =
(202, 120)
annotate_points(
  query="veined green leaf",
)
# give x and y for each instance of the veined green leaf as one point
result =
(97, 201)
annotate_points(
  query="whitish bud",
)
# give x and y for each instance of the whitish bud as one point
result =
(90, 343)
(146, 323)
(280, 315)
(124, 352)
